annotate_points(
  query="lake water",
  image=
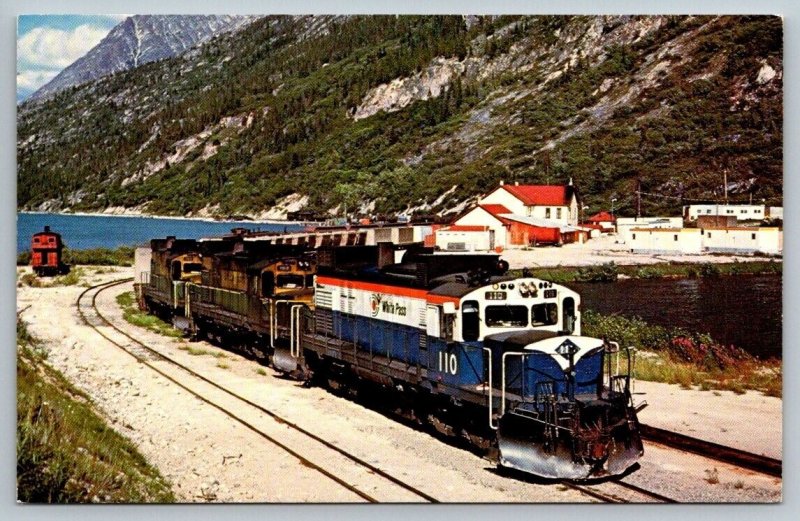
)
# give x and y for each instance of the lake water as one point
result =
(89, 231)
(744, 310)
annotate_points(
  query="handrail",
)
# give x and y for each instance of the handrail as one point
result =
(294, 323)
(503, 381)
(491, 401)
(275, 319)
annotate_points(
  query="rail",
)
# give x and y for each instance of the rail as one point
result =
(372, 468)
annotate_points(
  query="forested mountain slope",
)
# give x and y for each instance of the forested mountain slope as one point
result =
(398, 114)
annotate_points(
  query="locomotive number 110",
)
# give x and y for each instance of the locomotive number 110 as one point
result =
(448, 363)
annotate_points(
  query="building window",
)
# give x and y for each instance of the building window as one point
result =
(676, 236)
(558, 213)
(753, 236)
(547, 213)
(633, 235)
(708, 210)
(744, 211)
(757, 211)
(709, 235)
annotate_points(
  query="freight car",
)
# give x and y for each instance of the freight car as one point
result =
(477, 354)
(46, 253)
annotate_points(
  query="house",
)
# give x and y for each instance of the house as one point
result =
(512, 229)
(551, 202)
(487, 215)
(606, 221)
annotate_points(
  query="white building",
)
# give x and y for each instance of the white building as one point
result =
(731, 240)
(743, 212)
(465, 238)
(665, 240)
(550, 202)
(743, 240)
(487, 215)
(626, 224)
(775, 212)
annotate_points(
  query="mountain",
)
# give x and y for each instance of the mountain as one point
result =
(138, 40)
(392, 114)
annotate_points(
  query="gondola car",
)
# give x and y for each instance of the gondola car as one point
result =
(46, 253)
(476, 353)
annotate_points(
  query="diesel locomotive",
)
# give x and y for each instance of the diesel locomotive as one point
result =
(447, 339)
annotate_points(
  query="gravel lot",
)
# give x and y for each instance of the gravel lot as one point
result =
(599, 251)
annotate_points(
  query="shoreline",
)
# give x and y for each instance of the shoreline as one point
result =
(166, 217)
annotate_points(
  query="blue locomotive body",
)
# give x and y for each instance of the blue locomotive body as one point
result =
(488, 353)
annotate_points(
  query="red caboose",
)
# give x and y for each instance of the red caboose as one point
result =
(46, 248)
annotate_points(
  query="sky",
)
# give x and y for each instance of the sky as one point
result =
(46, 44)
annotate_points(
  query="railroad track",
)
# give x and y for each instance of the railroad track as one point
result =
(748, 460)
(148, 356)
(602, 492)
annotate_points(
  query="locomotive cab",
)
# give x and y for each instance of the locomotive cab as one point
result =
(187, 268)
(288, 278)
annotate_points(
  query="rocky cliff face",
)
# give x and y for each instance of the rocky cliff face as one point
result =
(138, 40)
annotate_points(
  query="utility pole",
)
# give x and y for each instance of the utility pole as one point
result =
(725, 183)
(638, 198)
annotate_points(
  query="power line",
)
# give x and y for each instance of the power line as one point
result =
(680, 198)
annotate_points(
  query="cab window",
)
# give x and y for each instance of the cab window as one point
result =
(290, 281)
(470, 321)
(267, 284)
(544, 314)
(506, 316)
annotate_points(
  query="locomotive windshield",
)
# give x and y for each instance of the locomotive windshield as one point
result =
(506, 316)
(544, 314)
(192, 266)
(290, 281)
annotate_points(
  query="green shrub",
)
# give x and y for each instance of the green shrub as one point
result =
(607, 272)
(709, 270)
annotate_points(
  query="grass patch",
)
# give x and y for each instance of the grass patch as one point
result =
(198, 351)
(132, 314)
(691, 360)
(261, 371)
(122, 256)
(223, 365)
(73, 278)
(65, 452)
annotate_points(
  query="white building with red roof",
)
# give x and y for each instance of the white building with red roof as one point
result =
(525, 215)
(551, 202)
(487, 215)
